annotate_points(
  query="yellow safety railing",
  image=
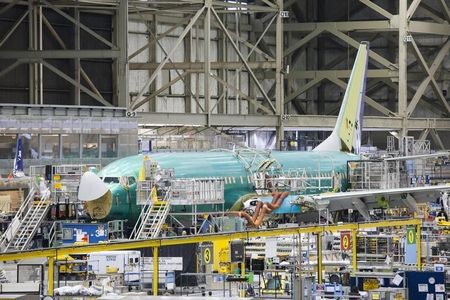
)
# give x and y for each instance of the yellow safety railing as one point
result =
(155, 244)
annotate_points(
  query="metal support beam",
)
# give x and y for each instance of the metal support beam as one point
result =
(200, 66)
(155, 270)
(431, 13)
(305, 40)
(377, 8)
(121, 63)
(10, 68)
(445, 8)
(303, 89)
(437, 139)
(72, 81)
(423, 85)
(255, 46)
(279, 78)
(185, 240)
(367, 99)
(403, 65)
(419, 246)
(354, 43)
(171, 66)
(172, 51)
(419, 27)
(430, 73)
(424, 134)
(240, 93)
(412, 8)
(354, 251)
(135, 105)
(207, 70)
(239, 68)
(304, 122)
(361, 207)
(244, 61)
(84, 27)
(371, 26)
(153, 42)
(51, 275)
(78, 69)
(13, 28)
(59, 54)
(319, 246)
(188, 95)
(8, 6)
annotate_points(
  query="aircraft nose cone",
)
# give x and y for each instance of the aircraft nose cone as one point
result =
(91, 187)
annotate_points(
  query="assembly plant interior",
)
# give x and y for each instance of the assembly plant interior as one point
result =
(225, 149)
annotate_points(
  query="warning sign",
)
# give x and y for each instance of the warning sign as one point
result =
(411, 235)
(345, 241)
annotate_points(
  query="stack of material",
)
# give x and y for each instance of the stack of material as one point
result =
(10, 200)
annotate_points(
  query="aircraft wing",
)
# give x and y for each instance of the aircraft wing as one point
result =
(365, 200)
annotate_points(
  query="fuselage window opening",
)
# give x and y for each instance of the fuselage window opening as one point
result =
(111, 180)
(131, 180)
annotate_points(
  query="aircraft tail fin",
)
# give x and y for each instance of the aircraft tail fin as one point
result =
(346, 135)
(18, 160)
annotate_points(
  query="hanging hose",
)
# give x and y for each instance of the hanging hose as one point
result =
(262, 209)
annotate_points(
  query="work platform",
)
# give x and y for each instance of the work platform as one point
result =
(156, 244)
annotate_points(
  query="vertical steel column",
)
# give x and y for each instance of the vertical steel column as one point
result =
(319, 257)
(251, 86)
(279, 94)
(51, 276)
(30, 47)
(197, 59)
(207, 40)
(224, 45)
(237, 74)
(354, 253)
(402, 64)
(419, 246)
(122, 62)
(153, 58)
(35, 43)
(77, 60)
(155, 271)
(41, 67)
(187, 79)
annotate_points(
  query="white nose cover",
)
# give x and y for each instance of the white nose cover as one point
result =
(91, 187)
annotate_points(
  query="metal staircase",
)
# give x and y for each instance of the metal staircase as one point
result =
(152, 217)
(26, 222)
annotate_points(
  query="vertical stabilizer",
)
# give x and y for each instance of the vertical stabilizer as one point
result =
(18, 160)
(346, 135)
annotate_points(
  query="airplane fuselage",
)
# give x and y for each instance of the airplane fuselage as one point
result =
(223, 164)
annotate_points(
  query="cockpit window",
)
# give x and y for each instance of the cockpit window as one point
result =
(111, 180)
(131, 180)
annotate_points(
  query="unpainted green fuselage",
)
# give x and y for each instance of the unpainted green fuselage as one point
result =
(211, 164)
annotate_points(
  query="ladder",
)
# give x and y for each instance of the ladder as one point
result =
(28, 219)
(152, 217)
